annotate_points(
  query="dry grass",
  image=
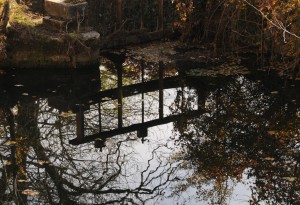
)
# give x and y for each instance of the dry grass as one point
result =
(21, 16)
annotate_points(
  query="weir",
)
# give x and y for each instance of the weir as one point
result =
(73, 32)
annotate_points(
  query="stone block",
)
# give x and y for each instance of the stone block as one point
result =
(63, 10)
(54, 23)
(90, 35)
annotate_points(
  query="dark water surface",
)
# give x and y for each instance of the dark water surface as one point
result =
(85, 137)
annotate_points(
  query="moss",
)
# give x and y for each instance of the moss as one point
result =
(21, 16)
(30, 45)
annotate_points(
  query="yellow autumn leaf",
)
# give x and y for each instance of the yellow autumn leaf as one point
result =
(269, 159)
(30, 192)
(11, 142)
(7, 163)
(21, 180)
(290, 179)
(22, 171)
(67, 114)
(274, 92)
(271, 132)
(41, 162)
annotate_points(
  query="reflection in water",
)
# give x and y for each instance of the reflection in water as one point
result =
(147, 137)
(246, 133)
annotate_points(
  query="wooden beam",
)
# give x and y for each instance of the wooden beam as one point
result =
(118, 14)
(142, 9)
(80, 123)
(160, 17)
(120, 94)
(135, 127)
(161, 89)
(143, 94)
(130, 90)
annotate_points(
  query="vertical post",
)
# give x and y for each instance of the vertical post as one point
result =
(143, 97)
(201, 99)
(160, 18)
(182, 106)
(118, 14)
(161, 89)
(120, 95)
(143, 131)
(80, 123)
(142, 7)
(99, 105)
(100, 118)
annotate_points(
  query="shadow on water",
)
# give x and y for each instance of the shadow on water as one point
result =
(133, 132)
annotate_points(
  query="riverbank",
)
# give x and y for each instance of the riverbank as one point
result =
(26, 42)
(33, 40)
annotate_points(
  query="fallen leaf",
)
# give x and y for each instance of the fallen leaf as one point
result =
(41, 162)
(290, 179)
(67, 114)
(30, 192)
(271, 132)
(21, 180)
(11, 142)
(274, 92)
(7, 163)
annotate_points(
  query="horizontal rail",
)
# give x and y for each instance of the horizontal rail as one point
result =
(135, 127)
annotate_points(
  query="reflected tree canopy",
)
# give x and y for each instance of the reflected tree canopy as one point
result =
(39, 165)
(220, 132)
(247, 134)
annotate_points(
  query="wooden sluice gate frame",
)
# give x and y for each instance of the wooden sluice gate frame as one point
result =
(120, 20)
(125, 91)
(140, 128)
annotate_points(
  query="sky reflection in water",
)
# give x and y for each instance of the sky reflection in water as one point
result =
(222, 140)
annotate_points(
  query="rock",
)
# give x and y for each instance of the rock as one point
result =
(66, 11)
(91, 35)
(54, 23)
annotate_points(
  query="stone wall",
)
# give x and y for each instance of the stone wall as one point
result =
(4, 16)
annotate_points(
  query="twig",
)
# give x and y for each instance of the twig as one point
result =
(278, 24)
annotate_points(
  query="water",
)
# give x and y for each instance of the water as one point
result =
(85, 137)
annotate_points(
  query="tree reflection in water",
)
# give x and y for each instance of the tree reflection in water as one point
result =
(245, 134)
(39, 166)
(242, 133)
(40, 161)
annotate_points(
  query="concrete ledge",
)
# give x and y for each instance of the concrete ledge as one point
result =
(54, 23)
(66, 11)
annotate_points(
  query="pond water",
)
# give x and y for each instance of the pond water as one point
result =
(132, 132)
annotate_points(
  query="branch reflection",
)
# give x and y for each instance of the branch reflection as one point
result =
(203, 135)
(248, 135)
